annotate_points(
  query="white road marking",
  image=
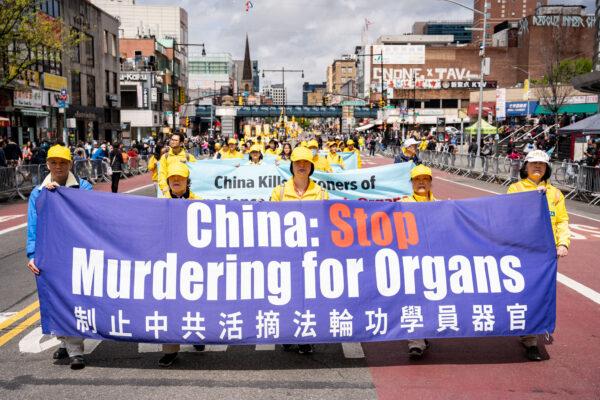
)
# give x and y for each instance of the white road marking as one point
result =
(36, 342)
(579, 288)
(9, 217)
(565, 280)
(265, 347)
(6, 315)
(353, 350)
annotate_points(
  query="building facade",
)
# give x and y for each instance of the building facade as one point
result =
(311, 88)
(459, 29)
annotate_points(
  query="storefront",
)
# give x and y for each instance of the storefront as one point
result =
(85, 123)
(31, 120)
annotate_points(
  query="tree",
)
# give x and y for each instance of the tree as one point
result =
(556, 85)
(29, 36)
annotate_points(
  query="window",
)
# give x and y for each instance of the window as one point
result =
(115, 81)
(113, 45)
(107, 81)
(434, 103)
(105, 40)
(89, 50)
(91, 90)
(450, 103)
(75, 88)
(76, 53)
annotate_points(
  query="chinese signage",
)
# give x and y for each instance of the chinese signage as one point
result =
(54, 82)
(31, 98)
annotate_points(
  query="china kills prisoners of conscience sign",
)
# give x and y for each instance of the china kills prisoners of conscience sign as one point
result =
(294, 272)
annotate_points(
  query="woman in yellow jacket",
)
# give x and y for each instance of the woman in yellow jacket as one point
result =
(351, 148)
(178, 177)
(535, 175)
(153, 162)
(300, 188)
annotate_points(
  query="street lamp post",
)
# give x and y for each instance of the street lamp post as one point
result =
(482, 55)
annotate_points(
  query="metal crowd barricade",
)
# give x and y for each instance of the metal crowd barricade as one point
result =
(20, 180)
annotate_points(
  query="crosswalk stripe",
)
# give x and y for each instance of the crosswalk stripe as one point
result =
(353, 350)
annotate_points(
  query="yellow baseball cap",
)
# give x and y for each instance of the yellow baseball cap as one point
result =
(420, 170)
(256, 147)
(232, 141)
(313, 143)
(217, 146)
(179, 169)
(304, 143)
(349, 142)
(58, 151)
(302, 153)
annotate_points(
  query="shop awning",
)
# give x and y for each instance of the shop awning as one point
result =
(364, 127)
(590, 125)
(570, 109)
(34, 112)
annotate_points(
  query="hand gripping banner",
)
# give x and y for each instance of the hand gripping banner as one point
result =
(142, 269)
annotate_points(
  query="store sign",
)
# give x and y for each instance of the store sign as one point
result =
(399, 54)
(520, 109)
(469, 84)
(32, 98)
(134, 77)
(54, 82)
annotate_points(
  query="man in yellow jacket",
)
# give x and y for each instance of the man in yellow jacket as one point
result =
(535, 175)
(333, 157)
(320, 163)
(351, 148)
(421, 179)
(176, 154)
(233, 151)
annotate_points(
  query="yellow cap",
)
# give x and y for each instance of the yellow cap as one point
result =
(217, 146)
(420, 170)
(304, 143)
(302, 153)
(232, 141)
(58, 151)
(256, 147)
(350, 142)
(313, 143)
(179, 169)
(332, 143)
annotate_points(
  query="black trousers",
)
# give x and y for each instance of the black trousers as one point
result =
(115, 181)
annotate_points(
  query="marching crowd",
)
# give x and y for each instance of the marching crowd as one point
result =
(169, 165)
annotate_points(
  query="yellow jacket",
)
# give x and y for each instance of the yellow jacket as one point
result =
(423, 145)
(415, 198)
(286, 192)
(192, 196)
(272, 152)
(358, 159)
(166, 160)
(556, 204)
(335, 159)
(321, 164)
(152, 166)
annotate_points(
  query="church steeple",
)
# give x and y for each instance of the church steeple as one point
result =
(247, 83)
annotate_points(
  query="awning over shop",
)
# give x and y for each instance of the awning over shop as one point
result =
(34, 112)
(486, 129)
(590, 125)
(364, 127)
(570, 109)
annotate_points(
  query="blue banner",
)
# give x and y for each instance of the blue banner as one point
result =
(520, 109)
(211, 272)
(216, 180)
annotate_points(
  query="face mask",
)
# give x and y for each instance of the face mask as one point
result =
(314, 152)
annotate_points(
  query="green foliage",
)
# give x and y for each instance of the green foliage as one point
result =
(28, 36)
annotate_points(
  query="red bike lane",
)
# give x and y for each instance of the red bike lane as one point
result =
(14, 215)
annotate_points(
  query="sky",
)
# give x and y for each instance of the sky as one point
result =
(307, 34)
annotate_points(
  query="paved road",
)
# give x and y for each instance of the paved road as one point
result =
(473, 368)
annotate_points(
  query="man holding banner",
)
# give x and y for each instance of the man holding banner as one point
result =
(421, 178)
(333, 157)
(176, 154)
(59, 164)
(352, 149)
